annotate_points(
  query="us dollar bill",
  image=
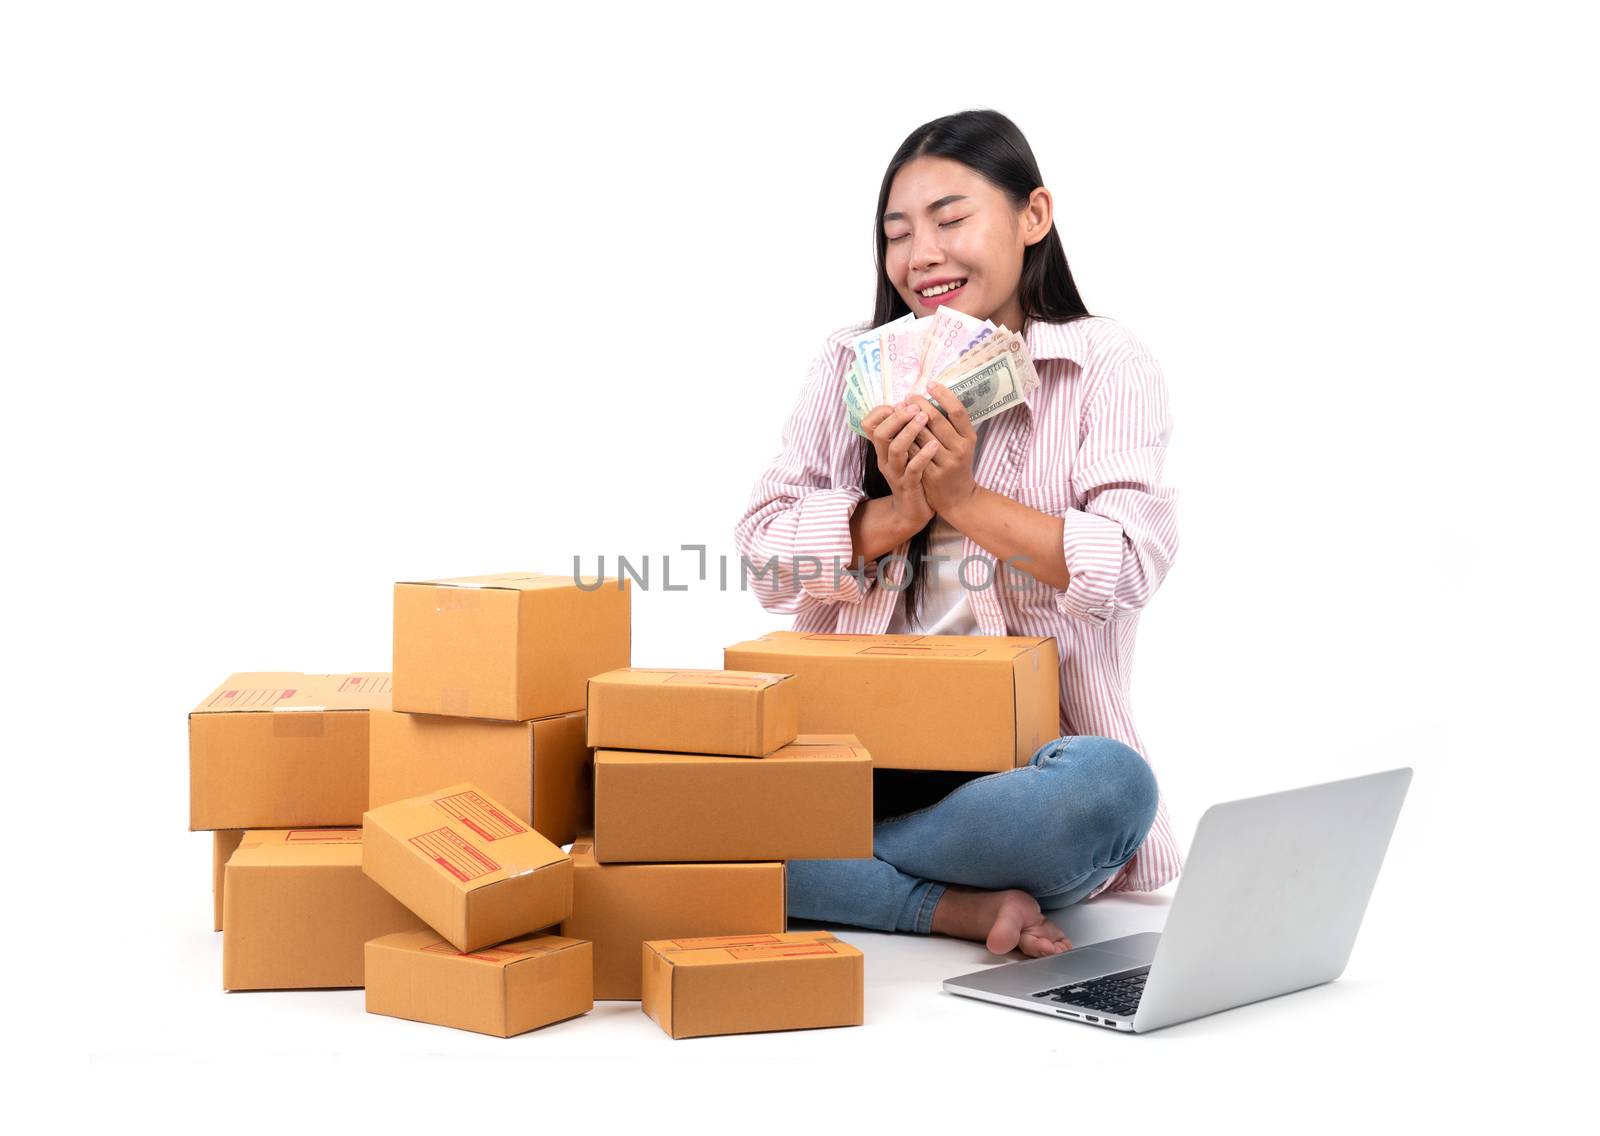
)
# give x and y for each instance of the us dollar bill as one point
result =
(993, 387)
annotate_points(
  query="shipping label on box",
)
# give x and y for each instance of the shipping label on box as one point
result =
(619, 906)
(752, 983)
(468, 866)
(809, 800)
(974, 703)
(734, 713)
(541, 769)
(512, 646)
(297, 910)
(503, 990)
(282, 750)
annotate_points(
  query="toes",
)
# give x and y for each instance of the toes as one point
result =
(1034, 943)
(1044, 938)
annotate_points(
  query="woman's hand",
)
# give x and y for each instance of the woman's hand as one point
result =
(947, 482)
(893, 431)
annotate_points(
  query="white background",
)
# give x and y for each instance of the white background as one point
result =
(298, 299)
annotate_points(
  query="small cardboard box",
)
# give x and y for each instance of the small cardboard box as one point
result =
(540, 769)
(282, 750)
(467, 866)
(512, 646)
(223, 842)
(752, 983)
(297, 911)
(976, 703)
(735, 713)
(504, 990)
(619, 906)
(809, 800)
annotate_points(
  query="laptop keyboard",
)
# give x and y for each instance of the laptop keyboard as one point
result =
(1117, 994)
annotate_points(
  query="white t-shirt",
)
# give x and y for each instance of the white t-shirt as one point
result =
(945, 608)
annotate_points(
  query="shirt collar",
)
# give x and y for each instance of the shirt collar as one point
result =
(1057, 340)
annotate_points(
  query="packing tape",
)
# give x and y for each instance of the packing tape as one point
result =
(460, 598)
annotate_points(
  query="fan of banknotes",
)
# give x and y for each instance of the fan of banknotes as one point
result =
(986, 366)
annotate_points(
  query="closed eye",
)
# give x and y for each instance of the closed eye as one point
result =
(942, 224)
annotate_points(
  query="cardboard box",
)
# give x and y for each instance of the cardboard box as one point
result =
(809, 800)
(297, 911)
(752, 983)
(504, 990)
(736, 713)
(467, 866)
(619, 906)
(540, 769)
(513, 646)
(282, 750)
(223, 842)
(976, 703)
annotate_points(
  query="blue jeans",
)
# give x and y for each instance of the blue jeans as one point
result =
(1057, 828)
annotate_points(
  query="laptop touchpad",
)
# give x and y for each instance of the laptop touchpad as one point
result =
(1086, 962)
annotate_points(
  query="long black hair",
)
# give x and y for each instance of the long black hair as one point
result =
(990, 144)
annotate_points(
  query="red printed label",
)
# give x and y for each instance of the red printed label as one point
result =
(726, 941)
(814, 753)
(454, 855)
(930, 652)
(783, 950)
(480, 815)
(259, 699)
(364, 684)
(718, 679)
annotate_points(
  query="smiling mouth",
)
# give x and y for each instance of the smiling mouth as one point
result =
(944, 290)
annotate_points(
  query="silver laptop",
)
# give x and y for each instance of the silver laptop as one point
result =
(1269, 902)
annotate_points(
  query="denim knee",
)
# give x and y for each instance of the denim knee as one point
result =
(1111, 782)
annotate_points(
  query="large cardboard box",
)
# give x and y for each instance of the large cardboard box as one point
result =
(503, 990)
(512, 646)
(467, 866)
(809, 800)
(736, 713)
(964, 702)
(282, 750)
(752, 983)
(223, 842)
(540, 769)
(619, 906)
(297, 911)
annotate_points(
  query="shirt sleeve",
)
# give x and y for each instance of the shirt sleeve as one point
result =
(794, 537)
(1122, 536)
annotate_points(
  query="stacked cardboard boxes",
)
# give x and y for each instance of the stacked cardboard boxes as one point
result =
(406, 835)
(479, 772)
(278, 773)
(701, 792)
(489, 675)
(488, 886)
(285, 767)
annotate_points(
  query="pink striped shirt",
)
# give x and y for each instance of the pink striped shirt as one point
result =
(1087, 446)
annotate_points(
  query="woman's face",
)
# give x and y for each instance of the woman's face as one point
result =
(945, 222)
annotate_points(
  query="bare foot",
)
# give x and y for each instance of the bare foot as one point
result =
(1003, 921)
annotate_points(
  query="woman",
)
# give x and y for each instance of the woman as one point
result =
(1065, 488)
